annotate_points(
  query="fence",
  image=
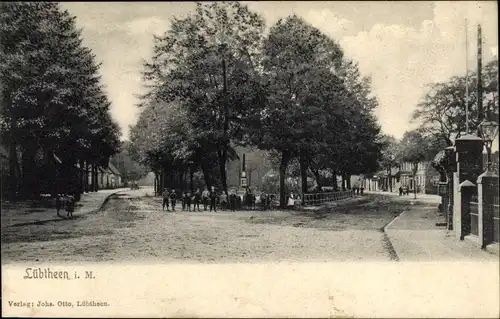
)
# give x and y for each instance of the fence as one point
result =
(474, 216)
(320, 198)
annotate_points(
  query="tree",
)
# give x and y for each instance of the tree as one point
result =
(52, 99)
(130, 169)
(441, 112)
(414, 148)
(209, 61)
(297, 65)
(389, 156)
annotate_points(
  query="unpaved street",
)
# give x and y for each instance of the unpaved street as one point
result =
(132, 227)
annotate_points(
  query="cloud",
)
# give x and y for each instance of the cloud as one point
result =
(147, 25)
(400, 57)
(402, 60)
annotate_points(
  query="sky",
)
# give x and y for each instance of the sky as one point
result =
(403, 46)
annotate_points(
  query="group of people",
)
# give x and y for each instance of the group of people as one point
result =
(210, 199)
(66, 202)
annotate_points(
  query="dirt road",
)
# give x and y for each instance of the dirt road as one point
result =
(133, 227)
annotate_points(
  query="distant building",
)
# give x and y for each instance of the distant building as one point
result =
(426, 179)
(256, 167)
(108, 177)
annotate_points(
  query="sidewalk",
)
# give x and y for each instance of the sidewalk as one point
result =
(415, 237)
(421, 198)
(23, 213)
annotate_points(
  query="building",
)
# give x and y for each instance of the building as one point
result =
(108, 177)
(426, 179)
(256, 167)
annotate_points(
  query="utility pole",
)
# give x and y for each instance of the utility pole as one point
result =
(479, 76)
(466, 81)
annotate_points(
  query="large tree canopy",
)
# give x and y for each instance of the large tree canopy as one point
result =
(442, 110)
(52, 99)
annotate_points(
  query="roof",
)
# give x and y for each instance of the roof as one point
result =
(113, 169)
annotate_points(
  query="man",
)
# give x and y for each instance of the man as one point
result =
(183, 200)
(173, 197)
(205, 196)
(213, 199)
(197, 199)
(232, 200)
(188, 201)
(165, 198)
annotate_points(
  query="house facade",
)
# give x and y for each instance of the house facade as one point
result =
(426, 179)
(107, 178)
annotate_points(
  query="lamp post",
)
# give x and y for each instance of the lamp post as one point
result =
(489, 130)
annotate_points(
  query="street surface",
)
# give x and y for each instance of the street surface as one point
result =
(132, 227)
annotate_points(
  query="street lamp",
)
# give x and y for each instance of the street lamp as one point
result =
(489, 130)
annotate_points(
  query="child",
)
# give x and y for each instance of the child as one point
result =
(59, 203)
(213, 199)
(165, 198)
(70, 205)
(197, 199)
(173, 197)
(205, 196)
(183, 201)
(223, 201)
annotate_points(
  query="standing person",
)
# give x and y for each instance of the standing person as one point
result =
(223, 201)
(70, 205)
(197, 199)
(165, 196)
(183, 200)
(59, 203)
(400, 190)
(232, 200)
(173, 198)
(188, 201)
(205, 196)
(213, 199)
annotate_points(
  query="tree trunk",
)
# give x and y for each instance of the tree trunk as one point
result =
(343, 182)
(334, 178)
(283, 166)
(29, 173)
(155, 187)
(303, 172)
(162, 179)
(82, 176)
(182, 175)
(191, 179)
(52, 173)
(222, 168)
(96, 173)
(415, 169)
(349, 186)
(206, 174)
(86, 186)
(317, 177)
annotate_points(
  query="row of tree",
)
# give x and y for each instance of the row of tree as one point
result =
(54, 120)
(216, 81)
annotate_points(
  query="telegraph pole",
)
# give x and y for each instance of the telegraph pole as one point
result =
(466, 81)
(479, 76)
